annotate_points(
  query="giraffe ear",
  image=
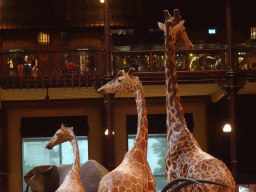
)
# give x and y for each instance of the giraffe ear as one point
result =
(178, 26)
(130, 72)
(62, 127)
(120, 73)
(72, 128)
(161, 26)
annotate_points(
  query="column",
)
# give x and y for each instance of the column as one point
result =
(3, 152)
(107, 38)
(231, 88)
(109, 155)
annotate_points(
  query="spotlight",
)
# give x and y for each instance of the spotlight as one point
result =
(227, 128)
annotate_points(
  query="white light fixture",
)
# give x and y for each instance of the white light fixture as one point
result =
(107, 132)
(102, 1)
(227, 128)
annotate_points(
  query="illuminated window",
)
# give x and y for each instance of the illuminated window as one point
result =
(10, 63)
(34, 153)
(35, 138)
(253, 32)
(43, 38)
(212, 31)
(157, 142)
(157, 146)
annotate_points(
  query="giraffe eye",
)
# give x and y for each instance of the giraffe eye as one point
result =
(119, 80)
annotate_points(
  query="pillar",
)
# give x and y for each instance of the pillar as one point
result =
(109, 155)
(231, 88)
(3, 151)
(107, 38)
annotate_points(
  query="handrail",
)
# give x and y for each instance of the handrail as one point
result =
(50, 75)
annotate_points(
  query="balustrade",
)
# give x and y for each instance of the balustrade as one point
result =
(87, 67)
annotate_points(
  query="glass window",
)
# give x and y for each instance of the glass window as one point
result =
(158, 61)
(205, 61)
(34, 153)
(253, 32)
(43, 38)
(157, 146)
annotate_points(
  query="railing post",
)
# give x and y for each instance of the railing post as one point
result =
(107, 38)
(114, 64)
(151, 61)
(187, 64)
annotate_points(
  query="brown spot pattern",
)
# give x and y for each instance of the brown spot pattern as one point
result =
(184, 157)
(134, 173)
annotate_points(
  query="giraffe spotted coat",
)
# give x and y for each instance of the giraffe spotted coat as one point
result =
(134, 173)
(72, 181)
(184, 156)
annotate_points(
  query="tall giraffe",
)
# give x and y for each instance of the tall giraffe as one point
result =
(184, 156)
(72, 181)
(134, 173)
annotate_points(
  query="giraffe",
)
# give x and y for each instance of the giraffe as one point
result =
(134, 173)
(72, 181)
(184, 156)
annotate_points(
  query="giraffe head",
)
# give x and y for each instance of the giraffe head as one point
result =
(176, 28)
(62, 135)
(122, 83)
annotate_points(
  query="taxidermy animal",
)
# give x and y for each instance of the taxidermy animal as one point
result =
(134, 173)
(72, 181)
(48, 178)
(184, 156)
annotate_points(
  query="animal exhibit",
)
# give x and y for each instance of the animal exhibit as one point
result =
(203, 62)
(49, 177)
(72, 181)
(248, 62)
(184, 156)
(134, 173)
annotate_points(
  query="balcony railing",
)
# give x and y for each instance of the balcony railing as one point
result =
(86, 67)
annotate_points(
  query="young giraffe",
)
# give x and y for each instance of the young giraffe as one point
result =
(184, 157)
(72, 181)
(134, 173)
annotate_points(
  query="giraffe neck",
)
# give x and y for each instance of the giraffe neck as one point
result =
(175, 116)
(141, 140)
(76, 164)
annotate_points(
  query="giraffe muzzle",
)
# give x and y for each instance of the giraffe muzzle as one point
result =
(48, 146)
(101, 91)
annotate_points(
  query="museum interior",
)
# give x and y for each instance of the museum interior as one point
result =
(56, 54)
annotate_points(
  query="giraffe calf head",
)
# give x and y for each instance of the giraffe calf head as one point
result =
(122, 83)
(62, 135)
